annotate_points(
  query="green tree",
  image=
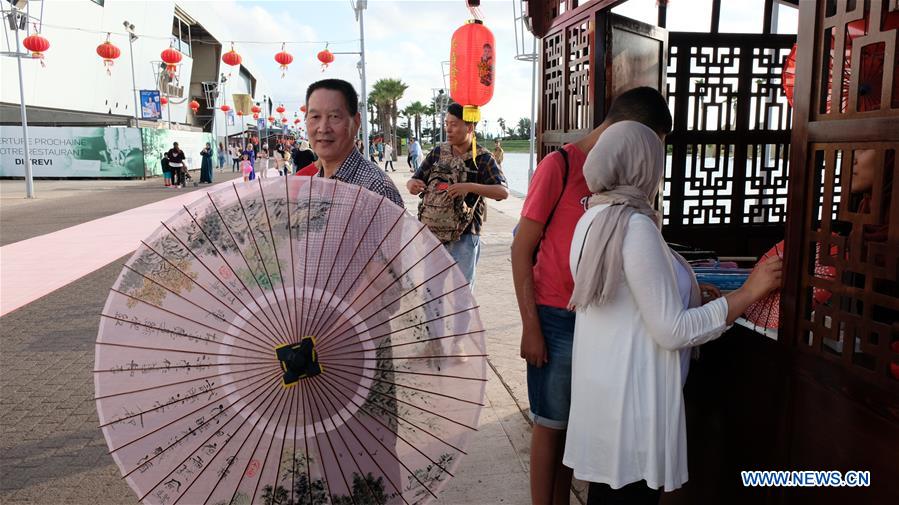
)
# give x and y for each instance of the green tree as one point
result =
(502, 127)
(415, 111)
(524, 128)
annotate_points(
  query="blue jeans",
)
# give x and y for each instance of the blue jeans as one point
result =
(466, 252)
(549, 387)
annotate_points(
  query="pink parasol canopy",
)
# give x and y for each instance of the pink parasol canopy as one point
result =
(296, 340)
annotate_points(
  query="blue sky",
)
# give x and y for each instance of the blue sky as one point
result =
(409, 40)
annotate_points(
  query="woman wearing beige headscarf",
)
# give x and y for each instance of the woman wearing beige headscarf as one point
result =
(637, 306)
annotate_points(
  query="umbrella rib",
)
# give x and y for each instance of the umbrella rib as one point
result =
(219, 451)
(178, 440)
(388, 449)
(432, 356)
(302, 321)
(132, 370)
(348, 342)
(271, 443)
(250, 270)
(129, 346)
(271, 233)
(201, 407)
(392, 346)
(257, 348)
(278, 403)
(304, 399)
(262, 343)
(349, 450)
(236, 297)
(411, 404)
(271, 282)
(395, 432)
(293, 453)
(401, 314)
(324, 467)
(322, 249)
(313, 399)
(334, 330)
(426, 391)
(174, 384)
(398, 418)
(233, 271)
(293, 267)
(290, 411)
(356, 249)
(408, 372)
(337, 409)
(332, 313)
(340, 244)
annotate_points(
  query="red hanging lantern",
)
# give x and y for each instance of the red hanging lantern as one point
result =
(225, 108)
(296, 121)
(303, 108)
(239, 114)
(283, 58)
(171, 57)
(163, 100)
(280, 109)
(472, 67)
(255, 115)
(38, 45)
(109, 52)
(255, 109)
(231, 58)
(326, 57)
(194, 106)
(284, 120)
(271, 119)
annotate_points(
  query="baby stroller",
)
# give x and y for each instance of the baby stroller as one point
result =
(185, 174)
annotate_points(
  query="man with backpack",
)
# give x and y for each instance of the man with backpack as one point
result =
(543, 285)
(453, 187)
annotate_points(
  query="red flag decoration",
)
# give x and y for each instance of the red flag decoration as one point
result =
(472, 69)
(109, 52)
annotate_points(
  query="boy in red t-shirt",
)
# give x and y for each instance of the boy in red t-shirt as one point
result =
(544, 288)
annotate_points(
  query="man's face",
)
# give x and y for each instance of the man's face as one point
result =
(332, 130)
(457, 131)
(175, 145)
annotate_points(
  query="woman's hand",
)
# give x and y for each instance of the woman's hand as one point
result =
(765, 278)
(709, 292)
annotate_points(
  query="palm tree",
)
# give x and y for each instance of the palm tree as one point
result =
(389, 92)
(502, 127)
(416, 110)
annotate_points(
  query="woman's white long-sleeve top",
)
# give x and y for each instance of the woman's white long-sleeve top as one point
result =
(626, 422)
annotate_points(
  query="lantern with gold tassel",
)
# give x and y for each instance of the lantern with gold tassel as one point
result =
(472, 67)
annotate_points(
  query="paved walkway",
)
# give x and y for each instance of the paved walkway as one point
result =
(51, 450)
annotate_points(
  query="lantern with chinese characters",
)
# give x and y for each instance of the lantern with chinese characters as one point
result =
(225, 108)
(472, 66)
(171, 57)
(194, 106)
(284, 58)
(231, 58)
(109, 52)
(280, 109)
(163, 100)
(326, 57)
(38, 45)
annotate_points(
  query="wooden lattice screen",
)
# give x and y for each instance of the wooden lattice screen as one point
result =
(847, 303)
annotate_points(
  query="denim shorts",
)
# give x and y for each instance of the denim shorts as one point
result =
(549, 387)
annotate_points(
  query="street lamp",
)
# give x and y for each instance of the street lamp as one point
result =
(358, 9)
(129, 27)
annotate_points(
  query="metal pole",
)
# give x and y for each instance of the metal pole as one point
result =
(134, 81)
(364, 95)
(533, 113)
(224, 101)
(29, 181)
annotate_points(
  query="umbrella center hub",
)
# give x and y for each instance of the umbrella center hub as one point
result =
(299, 361)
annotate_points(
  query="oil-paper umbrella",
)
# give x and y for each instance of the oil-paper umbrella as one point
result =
(765, 313)
(291, 341)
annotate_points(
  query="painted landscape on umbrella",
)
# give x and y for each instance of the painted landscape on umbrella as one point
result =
(196, 405)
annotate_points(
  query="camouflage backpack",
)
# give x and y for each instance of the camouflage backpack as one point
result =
(445, 216)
